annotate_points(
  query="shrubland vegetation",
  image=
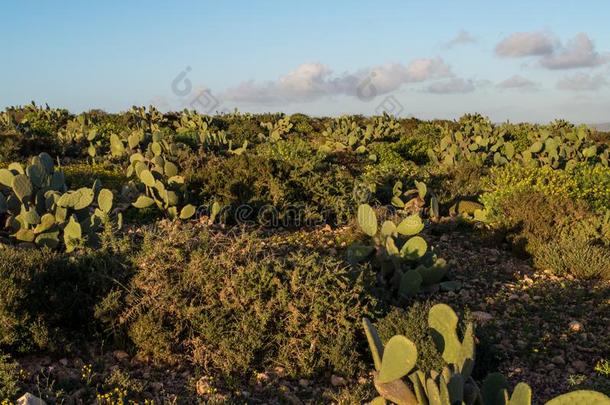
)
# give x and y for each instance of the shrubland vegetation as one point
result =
(182, 258)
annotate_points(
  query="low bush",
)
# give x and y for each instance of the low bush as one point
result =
(413, 323)
(9, 377)
(228, 304)
(560, 233)
(47, 295)
(318, 191)
(590, 184)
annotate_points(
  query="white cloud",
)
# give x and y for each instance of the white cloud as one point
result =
(582, 82)
(578, 52)
(312, 81)
(451, 86)
(462, 38)
(522, 44)
(517, 82)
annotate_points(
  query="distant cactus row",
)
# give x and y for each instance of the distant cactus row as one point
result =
(346, 135)
(478, 141)
(454, 383)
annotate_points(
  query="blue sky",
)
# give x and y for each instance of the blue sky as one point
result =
(518, 61)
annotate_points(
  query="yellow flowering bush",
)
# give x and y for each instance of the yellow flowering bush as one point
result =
(590, 184)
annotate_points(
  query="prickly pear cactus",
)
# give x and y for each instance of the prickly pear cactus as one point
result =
(38, 209)
(443, 324)
(581, 398)
(158, 180)
(476, 141)
(452, 384)
(406, 263)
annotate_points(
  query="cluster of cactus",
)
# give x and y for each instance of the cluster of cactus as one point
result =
(406, 264)
(122, 145)
(565, 149)
(191, 121)
(345, 135)
(559, 145)
(383, 127)
(276, 130)
(150, 120)
(477, 141)
(453, 384)
(6, 120)
(39, 210)
(159, 182)
(420, 200)
(217, 140)
(81, 129)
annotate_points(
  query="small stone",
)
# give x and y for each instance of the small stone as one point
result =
(337, 381)
(262, 377)
(29, 399)
(576, 326)
(482, 317)
(120, 355)
(280, 372)
(559, 360)
(513, 297)
(292, 399)
(579, 366)
(63, 362)
(304, 383)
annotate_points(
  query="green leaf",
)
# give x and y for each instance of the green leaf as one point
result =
(367, 219)
(522, 395)
(147, 178)
(410, 283)
(399, 358)
(143, 202)
(25, 235)
(580, 397)
(414, 248)
(187, 211)
(104, 200)
(411, 225)
(374, 341)
(85, 198)
(46, 222)
(6, 177)
(388, 228)
(171, 169)
(22, 187)
(422, 189)
(48, 239)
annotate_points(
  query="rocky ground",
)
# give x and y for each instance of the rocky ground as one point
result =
(532, 326)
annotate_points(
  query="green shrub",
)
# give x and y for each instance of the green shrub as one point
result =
(231, 305)
(575, 256)
(9, 147)
(9, 377)
(83, 175)
(390, 166)
(46, 295)
(413, 323)
(582, 182)
(462, 179)
(317, 190)
(560, 233)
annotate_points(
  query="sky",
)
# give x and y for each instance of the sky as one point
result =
(516, 61)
